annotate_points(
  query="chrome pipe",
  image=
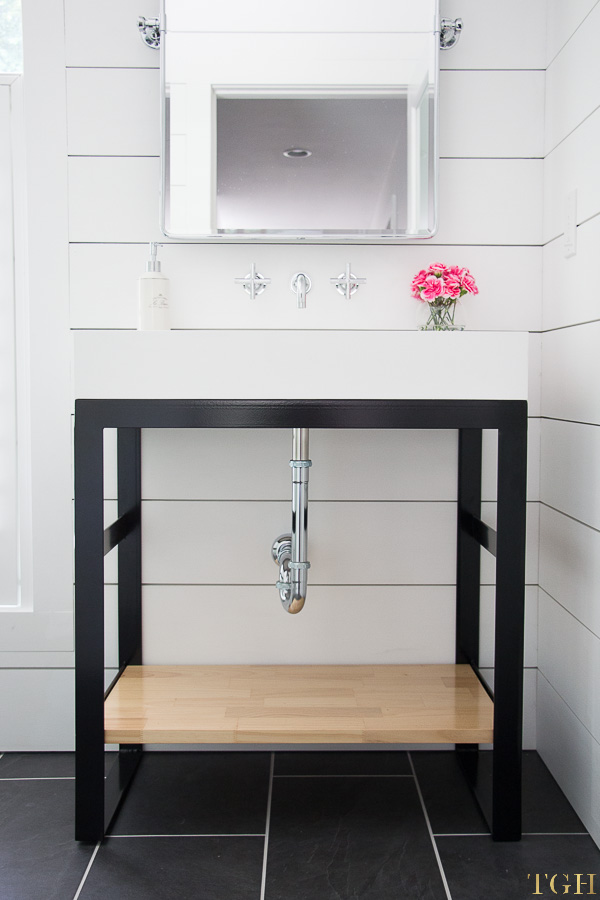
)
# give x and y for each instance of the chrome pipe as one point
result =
(290, 551)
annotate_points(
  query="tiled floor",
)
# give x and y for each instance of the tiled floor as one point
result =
(287, 826)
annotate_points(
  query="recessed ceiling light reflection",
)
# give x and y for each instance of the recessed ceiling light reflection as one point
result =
(297, 153)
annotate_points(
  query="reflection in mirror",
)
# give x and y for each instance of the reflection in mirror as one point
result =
(307, 161)
(331, 164)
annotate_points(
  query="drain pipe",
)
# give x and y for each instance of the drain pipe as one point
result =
(290, 551)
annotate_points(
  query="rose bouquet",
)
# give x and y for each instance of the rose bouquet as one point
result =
(441, 287)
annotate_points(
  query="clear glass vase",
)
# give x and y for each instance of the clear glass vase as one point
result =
(441, 315)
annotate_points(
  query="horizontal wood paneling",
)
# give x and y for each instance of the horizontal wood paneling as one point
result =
(246, 624)
(125, 105)
(570, 565)
(562, 21)
(350, 543)
(477, 50)
(572, 82)
(571, 367)
(572, 166)
(569, 473)
(114, 40)
(501, 205)
(116, 199)
(569, 658)
(88, 46)
(568, 297)
(37, 709)
(571, 754)
(215, 464)
(482, 114)
(491, 113)
(204, 295)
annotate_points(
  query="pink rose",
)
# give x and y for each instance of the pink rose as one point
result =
(417, 283)
(468, 282)
(452, 286)
(436, 268)
(432, 288)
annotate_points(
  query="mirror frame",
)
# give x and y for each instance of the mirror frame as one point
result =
(265, 237)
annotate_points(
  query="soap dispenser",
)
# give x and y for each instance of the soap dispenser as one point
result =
(153, 295)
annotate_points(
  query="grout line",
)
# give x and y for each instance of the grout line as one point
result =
(464, 834)
(524, 834)
(343, 776)
(430, 830)
(240, 834)
(87, 871)
(556, 833)
(42, 778)
(263, 880)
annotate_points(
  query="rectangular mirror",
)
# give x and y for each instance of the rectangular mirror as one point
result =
(299, 137)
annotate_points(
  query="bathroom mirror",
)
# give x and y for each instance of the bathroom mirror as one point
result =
(323, 137)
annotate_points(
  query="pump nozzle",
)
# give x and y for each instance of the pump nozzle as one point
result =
(153, 264)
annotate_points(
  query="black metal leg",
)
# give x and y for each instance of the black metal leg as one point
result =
(89, 631)
(468, 550)
(510, 607)
(130, 548)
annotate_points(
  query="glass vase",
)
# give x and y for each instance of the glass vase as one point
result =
(441, 315)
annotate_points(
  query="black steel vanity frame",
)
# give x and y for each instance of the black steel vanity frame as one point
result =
(498, 790)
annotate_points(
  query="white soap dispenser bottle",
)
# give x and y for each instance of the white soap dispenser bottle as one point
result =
(153, 295)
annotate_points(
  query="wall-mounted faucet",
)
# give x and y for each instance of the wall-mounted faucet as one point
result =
(301, 285)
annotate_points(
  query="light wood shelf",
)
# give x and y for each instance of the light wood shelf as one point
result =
(298, 704)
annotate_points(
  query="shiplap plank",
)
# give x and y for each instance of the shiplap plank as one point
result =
(204, 295)
(569, 658)
(116, 199)
(562, 738)
(572, 165)
(207, 542)
(568, 299)
(569, 471)
(572, 82)
(570, 565)
(246, 624)
(571, 367)
(491, 114)
(125, 105)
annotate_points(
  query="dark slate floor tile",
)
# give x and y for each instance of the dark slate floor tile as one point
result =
(349, 838)
(545, 807)
(176, 869)
(477, 867)
(37, 765)
(451, 807)
(453, 810)
(39, 857)
(346, 762)
(197, 793)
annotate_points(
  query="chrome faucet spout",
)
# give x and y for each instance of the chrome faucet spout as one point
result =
(301, 285)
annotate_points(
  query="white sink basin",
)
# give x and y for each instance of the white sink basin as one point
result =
(279, 365)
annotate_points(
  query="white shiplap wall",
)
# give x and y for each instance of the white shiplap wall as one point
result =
(569, 605)
(208, 597)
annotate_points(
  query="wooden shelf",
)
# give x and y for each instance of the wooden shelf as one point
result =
(298, 704)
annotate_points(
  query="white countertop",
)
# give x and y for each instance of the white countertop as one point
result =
(294, 365)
